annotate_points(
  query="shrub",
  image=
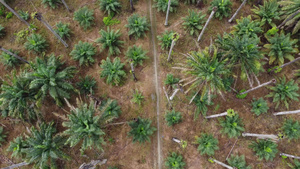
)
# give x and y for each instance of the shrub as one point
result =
(9, 60)
(284, 92)
(84, 52)
(171, 80)
(21, 35)
(174, 161)
(162, 5)
(166, 40)
(291, 129)
(207, 144)
(112, 71)
(245, 26)
(193, 23)
(85, 17)
(136, 54)
(281, 47)
(264, 149)
(232, 126)
(63, 30)
(9, 15)
(2, 31)
(86, 85)
(224, 8)
(201, 105)
(259, 106)
(267, 13)
(36, 43)
(2, 136)
(173, 117)
(110, 40)
(238, 162)
(24, 15)
(108, 21)
(137, 26)
(141, 130)
(111, 7)
(138, 97)
(52, 3)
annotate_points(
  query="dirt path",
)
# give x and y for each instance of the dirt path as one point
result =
(156, 80)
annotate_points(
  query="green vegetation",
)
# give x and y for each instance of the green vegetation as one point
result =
(174, 161)
(245, 26)
(17, 146)
(24, 15)
(137, 55)
(291, 129)
(86, 85)
(173, 117)
(2, 136)
(108, 21)
(223, 8)
(166, 39)
(141, 130)
(138, 97)
(137, 26)
(288, 9)
(112, 71)
(83, 52)
(162, 5)
(267, 13)
(259, 106)
(238, 162)
(193, 23)
(36, 43)
(110, 109)
(8, 60)
(63, 30)
(110, 40)
(201, 103)
(85, 17)
(284, 92)
(111, 7)
(232, 126)
(264, 149)
(207, 144)
(2, 31)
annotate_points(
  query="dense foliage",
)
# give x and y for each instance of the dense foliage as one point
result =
(291, 129)
(259, 106)
(136, 54)
(289, 8)
(137, 26)
(264, 149)
(207, 144)
(284, 92)
(85, 17)
(268, 12)
(232, 126)
(173, 117)
(86, 85)
(63, 30)
(36, 43)
(174, 161)
(245, 26)
(111, 7)
(84, 52)
(166, 39)
(223, 8)
(193, 23)
(162, 5)
(110, 40)
(238, 162)
(112, 71)
(141, 130)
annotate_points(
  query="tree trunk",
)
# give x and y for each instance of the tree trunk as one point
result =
(14, 12)
(176, 140)
(131, 6)
(167, 96)
(216, 115)
(167, 15)
(132, 71)
(39, 17)
(287, 112)
(222, 164)
(259, 86)
(172, 45)
(66, 5)
(16, 165)
(208, 20)
(12, 54)
(261, 136)
(93, 164)
(289, 18)
(288, 155)
(237, 11)
(173, 95)
(286, 64)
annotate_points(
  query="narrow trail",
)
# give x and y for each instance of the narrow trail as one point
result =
(156, 81)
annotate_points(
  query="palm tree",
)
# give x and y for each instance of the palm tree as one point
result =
(110, 39)
(49, 77)
(141, 130)
(112, 71)
(238, 162)
(85, 125)
(2, 135)
(206, 72)
(232, 126)
(174, 161)
(246, 26)
(207, 144)
(17, 99)
(290, 10)
(264, 149)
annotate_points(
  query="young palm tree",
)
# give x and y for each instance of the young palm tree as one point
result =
(138, 97)
(281, 47)
(223, 8)
(63, 30)
(246, 26)
(290, 10)
(171, 80)
(162, 5)
(85, 17)
(207, 144)
(259, 106)
(49, 77)
(85, 126)
(86, 85)
(112, 71)
(267, 13)
(51, 3)
(174, 161)
(137, 26)
(238, 162)
(111, 7)
(36, 43)
(17, 99)
(166, 39)
(136, 54)
(193, 23)
(206, 72)
(232, 126)
(110, 40)
(110, 109)
(264, 149)
(84, 52)
(284, 92)
(8, 60)
(291, 129)
(173, 117)
(17, 146)
(2, 136)
(141, 130)
(201, 105)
